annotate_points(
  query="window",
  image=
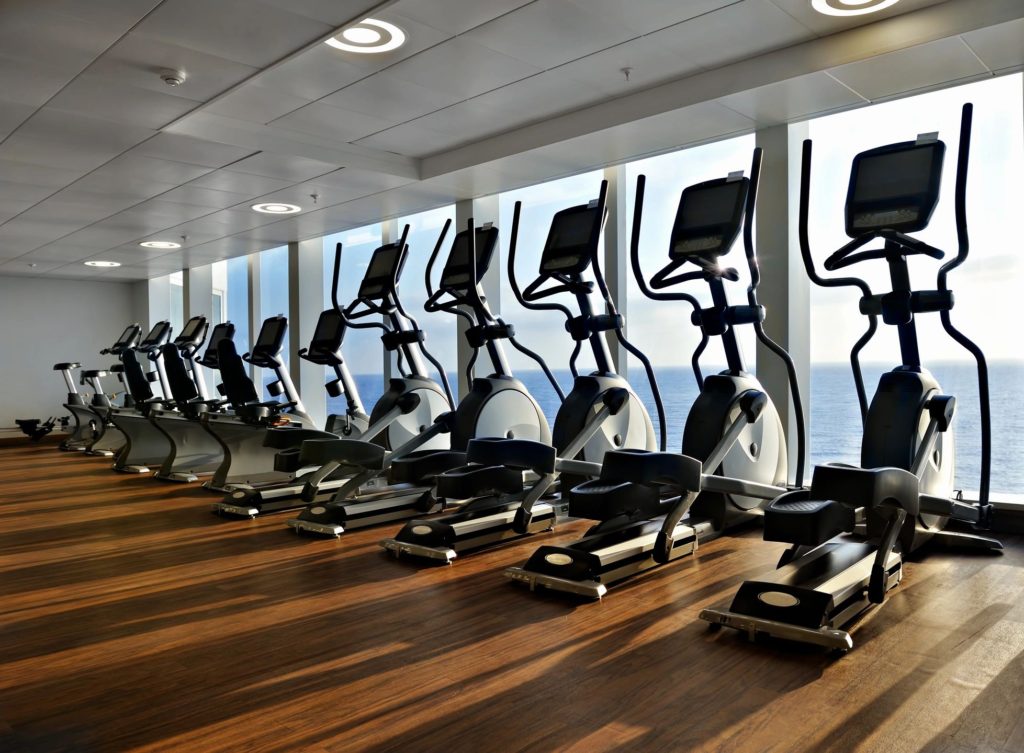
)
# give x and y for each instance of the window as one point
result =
(662, 329)
(362, 349)
(274, 295)
(230, 283)
(986, 287)
(440, 328)
(540, 331)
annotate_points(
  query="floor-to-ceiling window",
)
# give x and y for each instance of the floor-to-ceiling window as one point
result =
(541, 331)
(274, 295)
(176, 306)
(361, 349)
(662, 329)
(986, 287)
(439, 328)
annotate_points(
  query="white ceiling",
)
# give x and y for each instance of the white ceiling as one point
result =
(98, 154)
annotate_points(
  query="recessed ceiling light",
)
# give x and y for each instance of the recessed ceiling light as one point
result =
(276, 208)
(368, 36)
(160, 244)
(851, 7)
(103, 264)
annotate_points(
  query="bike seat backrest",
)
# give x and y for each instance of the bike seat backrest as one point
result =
(135, 377)
(708, 220)
(183, 388)
(266, 353)
(383, 271)
(325, 347)
(222, 331)
(572, 241)
(458, 268)
(238, 387)
(894, 187)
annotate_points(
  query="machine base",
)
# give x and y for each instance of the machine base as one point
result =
(830, 638)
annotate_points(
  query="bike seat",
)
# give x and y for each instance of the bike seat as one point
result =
(90, 373)
(424, 465)
(602, 499)
(478, 480)
(288, 437)
(66, 366)
(521, 454)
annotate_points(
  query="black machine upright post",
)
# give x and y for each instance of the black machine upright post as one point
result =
(733, 356)
(899, 275)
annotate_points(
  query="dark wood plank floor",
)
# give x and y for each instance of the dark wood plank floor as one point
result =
(133, 619)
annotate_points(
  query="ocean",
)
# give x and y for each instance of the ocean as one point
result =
(834, 415)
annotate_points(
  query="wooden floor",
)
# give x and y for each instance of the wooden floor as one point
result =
(132, 619)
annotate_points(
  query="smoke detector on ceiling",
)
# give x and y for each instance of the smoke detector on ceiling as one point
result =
(172, 77)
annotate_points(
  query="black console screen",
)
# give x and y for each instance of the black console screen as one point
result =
(894, 187)
(572, 240)
(457, 269)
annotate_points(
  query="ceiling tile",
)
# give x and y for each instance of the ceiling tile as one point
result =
(70, 42)
(412, 139)
(256, 104)
(27, 83)
(131, 187)
(462, 67)
(61, 252)
(735, 32)
(315, 73)
(38, 175)
(1000, 46)
(651, 15)
(286, 167)
(177, 148)
(456, 16)
(21, 192)
(389, 98)
(792, 100)
(331, 122)
(243, 183)
(25, 266)
(547, 33)
(137, 59)
(202, 197)
(83, 131)
(93, 95)
(909, 69)
(651, 60)
(12, 115)
(331, 12)
(245, 31)
(47, 153)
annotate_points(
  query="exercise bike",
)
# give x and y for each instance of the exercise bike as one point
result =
(902, 495)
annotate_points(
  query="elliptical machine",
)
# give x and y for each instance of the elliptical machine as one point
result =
(497, 405)
(92, 433)
(734, 451)
(511, 482)
(903, 491)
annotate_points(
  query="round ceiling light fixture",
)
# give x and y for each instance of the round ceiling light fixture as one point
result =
(103, 264)
(369, 36)
(160, 244)
(851, 7)
(275, 207)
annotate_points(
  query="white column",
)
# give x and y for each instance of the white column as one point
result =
(255, 320)
(198, 292)
(615, 258)
(158, 303)
(482, 210)
(784, 289)
(305, 302)
(389, 232)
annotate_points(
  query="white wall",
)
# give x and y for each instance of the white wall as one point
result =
(43, 322)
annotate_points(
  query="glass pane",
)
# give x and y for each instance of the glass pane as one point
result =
(176, 289)
(662, 329)
(986, 287)
(362, 349)
(236, 299)
(274, 296)
(440, 329)
(541, 331)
